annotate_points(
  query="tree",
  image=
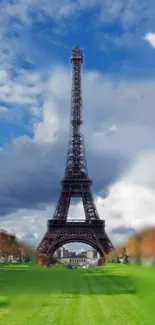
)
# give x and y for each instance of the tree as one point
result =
(134, 247)
(10, 246)
(148, 244)
(125, 256)
(117, 260)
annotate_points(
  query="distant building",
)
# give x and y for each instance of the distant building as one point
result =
(74, 260)
(64, 252)
(83, 258)
(71, 254)
(78, 261)
(82, 254)
(61, 253)
(92, 254)
(57, 254)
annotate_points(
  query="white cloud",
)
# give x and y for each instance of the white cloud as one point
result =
(28, 225)
(111, 129)
(21, 93)
(127, 105)
(131, 201)
(150, 38)
(46, 130)
(3, 109)
(22, 9)
(129, 13)
(55, 106)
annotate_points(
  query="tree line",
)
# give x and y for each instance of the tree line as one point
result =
(11, 247)
(139, 247)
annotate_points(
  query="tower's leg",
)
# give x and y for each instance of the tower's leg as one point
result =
(102, 261)
(61, 210)
(89, 206)
(41, 260)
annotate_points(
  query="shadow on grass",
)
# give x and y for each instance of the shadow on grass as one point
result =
(61, 282)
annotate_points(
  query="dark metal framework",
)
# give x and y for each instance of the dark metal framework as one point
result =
(76, 183)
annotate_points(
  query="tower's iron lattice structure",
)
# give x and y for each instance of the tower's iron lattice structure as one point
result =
(76, 183)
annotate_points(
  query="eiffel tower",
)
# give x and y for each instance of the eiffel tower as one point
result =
(76, 183)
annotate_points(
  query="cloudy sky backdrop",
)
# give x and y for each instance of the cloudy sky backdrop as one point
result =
(118, 40)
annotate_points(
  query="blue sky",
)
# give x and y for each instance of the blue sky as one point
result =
(118, 41)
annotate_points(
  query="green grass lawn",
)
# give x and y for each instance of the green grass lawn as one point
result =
(113, 294)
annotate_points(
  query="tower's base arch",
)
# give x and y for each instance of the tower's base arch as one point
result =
(60, 233)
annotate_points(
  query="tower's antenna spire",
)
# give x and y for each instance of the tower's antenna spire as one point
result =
(76, 96)
(76, 163)
(77, 54)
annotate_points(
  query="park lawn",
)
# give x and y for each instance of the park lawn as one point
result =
(111, 295)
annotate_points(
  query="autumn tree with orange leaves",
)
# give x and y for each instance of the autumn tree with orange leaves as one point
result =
(141, 245)
(10, 246)
(148, 243)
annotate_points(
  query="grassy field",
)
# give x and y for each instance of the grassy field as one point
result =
(113, 294)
